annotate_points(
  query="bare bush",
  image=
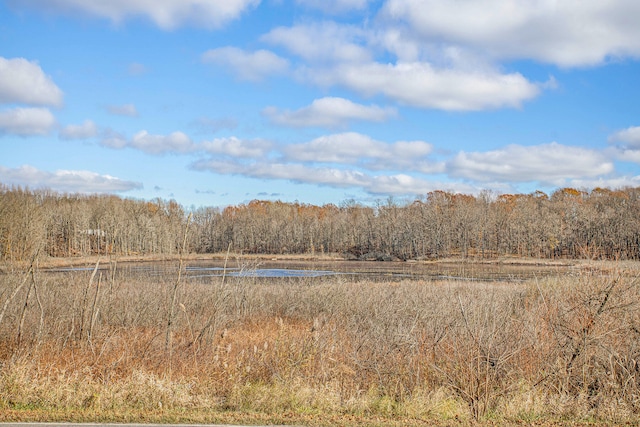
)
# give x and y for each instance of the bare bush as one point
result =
(564, 346)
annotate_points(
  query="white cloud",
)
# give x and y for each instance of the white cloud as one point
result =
(566, 33)
(256, 148)
(362, 151)
(397, 184)
(128, 110)
(400, 43)
(176, 142)
(87, 129)
(626, 144)
(612, 183)
(630, 137)
(113, 139)
(329, 112)
(293, 172)
(23, 81)
(551, 164)
(426, 74)
(411, 149)
(26, 121)
(349, 147)
(166, 14)
(338, 160)
(420, 85)
(627, 155)
(402, 184)
(65, 180)
(322, 42)
(335, 6)
(252, 66)
(180, 143)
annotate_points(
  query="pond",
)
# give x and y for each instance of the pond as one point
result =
(355, 270)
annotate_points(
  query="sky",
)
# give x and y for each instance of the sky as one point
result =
(219, 102)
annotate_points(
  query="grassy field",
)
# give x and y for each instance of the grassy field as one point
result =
(98, 346)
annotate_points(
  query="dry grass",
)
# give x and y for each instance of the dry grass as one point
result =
(322, 351)
(90, 260)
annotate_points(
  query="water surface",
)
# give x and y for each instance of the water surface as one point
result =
(370, 270)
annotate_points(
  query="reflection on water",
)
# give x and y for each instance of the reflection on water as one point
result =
(370, 270)
(198, 272)
(255, 272)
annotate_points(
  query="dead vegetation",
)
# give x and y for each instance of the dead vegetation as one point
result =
(566, 225)
(105, 345)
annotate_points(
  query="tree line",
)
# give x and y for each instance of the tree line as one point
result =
(569, 223)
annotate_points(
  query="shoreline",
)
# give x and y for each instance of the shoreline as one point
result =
(53, 262)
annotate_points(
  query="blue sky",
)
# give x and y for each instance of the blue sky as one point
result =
(213, 102)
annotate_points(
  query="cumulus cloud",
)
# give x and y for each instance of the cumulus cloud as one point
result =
(328, 112)
(166, 14)
(626, 144)
(421, 85)
(128, 110)
(551, 164)
(293, 172)
(180, 143)
(65, 180)
(360, 150)
(402, 184)
(26, 121)
(87, 129)
(349, 147)
(566, 33)
(629, 137)
(353, 160)
(176, 142)
(626, 154)
(396, 184)
(113, 139)
(322, 42)
(287, 171)
(341, 160)
(613, 183)
(252, 66)
(425, 74)
(24, 82)
(235, 147)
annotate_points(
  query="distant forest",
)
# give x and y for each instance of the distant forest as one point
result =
(569, 223)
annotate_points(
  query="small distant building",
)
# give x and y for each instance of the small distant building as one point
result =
(96, 232)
